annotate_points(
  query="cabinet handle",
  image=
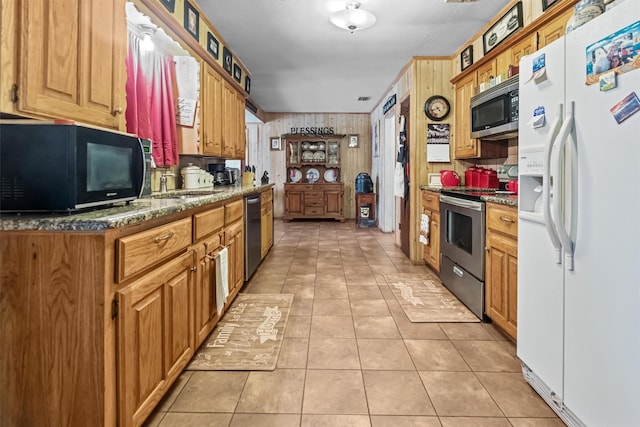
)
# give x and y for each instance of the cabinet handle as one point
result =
(116, 111)
(505, 219)
(163, 238)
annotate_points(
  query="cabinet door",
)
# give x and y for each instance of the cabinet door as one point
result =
(155, 340)
(211, 112)
(465, 146)
(266, 223)
(228, 120)
(432, 250)
(486, 72)
(234, 240)
(333, 202)
(501, 287)
(525, 47)
(72, 60)
(294, 202)
(554, 30)
(240, 127)
(206, 313)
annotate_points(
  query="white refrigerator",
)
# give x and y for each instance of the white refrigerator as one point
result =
(579, 222)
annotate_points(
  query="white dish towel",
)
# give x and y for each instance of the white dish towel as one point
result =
(424, 229)
(222, 278)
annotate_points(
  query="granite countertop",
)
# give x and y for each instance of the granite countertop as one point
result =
(122, 214)
(503, 199)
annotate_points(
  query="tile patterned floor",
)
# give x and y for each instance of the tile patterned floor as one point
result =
(351, 358)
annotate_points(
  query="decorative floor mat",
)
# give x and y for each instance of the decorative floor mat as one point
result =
(424, 299)
(249, 336)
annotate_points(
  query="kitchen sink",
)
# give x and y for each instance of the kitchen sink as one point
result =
(185, 194)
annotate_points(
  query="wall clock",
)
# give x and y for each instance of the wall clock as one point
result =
(437, 108)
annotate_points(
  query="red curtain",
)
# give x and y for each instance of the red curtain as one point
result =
(151, 111)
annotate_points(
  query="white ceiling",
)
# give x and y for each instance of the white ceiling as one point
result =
(300, 62)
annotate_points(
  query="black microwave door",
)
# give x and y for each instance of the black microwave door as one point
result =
(110, 167)
(492, 113)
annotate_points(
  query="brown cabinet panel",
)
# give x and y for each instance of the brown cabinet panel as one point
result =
(431, 208)
(211, 112)
(464, 146)
(234, 240)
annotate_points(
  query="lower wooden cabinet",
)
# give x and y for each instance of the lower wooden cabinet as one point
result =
(314, 201)
(501, 287)
(234, 241)
(431, 208)
(206, 309)
(155, 340)
(266, 222)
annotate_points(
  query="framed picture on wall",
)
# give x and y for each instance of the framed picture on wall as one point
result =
(546, 4)
(212, 45)
(227, 60)
(237, 73)
(353, 141)
(466, 57)
(507, 25)
(247, 84)
(191, 20)
(169, 4)
(275, 143)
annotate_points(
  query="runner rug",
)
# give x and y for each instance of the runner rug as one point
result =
(248, 337)
(424, 299)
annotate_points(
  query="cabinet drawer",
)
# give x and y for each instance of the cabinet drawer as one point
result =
(233, 211)
(139, 251)
(313, 210)
(205, 223)
(313, 202)
(431, 201)
(502, 219)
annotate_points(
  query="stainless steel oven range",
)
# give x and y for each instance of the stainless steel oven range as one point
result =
(462, 244)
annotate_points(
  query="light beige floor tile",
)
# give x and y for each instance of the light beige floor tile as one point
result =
(300, 279)
(332, 353)
(334, 392)
(211, 391)
(466, 331)
(265, 420)
(174, 391)
(309, 266)
(299, 291)
(487, 356)
(293, 353)
(154, 419)
(514, 396)
(384, 269)
(375, 327)
(363, 292)
(404, 421)
(177, 419)
(376, 259)
(352, 270)
(494, 331)
(396, 393)
(380, 354)
(278, 391)
(301, 306)
(510, 347)
(536, 422)
(263, 288)
(435, 355)
(363, 280)
(331, 307)
(369, 307)
(474, 422)
(459, 394)
(298, 327)
(331, 292)
(419, 331)
(334, 279)
(335, 421)
(332, 327)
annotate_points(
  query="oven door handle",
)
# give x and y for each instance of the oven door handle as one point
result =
(462, 203)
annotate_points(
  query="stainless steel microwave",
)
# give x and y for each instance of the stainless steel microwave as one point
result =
(66, 167)
(494, 112)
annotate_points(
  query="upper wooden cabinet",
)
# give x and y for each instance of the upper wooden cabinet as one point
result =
(65, 62)
(554, 30)
(525, 47)
(464, 146)
(211, 112)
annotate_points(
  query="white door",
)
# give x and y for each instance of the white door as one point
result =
(602, 346)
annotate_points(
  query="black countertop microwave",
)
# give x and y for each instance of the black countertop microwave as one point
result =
(494, 112)
(67, 167)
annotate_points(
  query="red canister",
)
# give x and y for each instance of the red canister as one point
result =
(468, 176)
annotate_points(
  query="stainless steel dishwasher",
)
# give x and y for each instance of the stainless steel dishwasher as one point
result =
(252, 234)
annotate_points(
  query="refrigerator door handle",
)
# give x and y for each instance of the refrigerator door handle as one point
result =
(561, 228)
(546, 186)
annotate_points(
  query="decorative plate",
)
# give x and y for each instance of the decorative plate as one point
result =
(313, 147)
(312, 175)
(330, 175)
(307, 155)
(319, 156)
(321, 146)
(295, 175)
(306, 145)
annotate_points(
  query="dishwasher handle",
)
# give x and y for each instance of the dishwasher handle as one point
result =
(252, 200)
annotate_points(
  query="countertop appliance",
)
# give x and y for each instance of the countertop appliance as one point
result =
(578, 269)
(364, 183)
(252, 234)
(494, 112)
(462, 237)
(449, 178)
(46, 166)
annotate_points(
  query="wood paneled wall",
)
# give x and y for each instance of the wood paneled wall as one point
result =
(353, 160)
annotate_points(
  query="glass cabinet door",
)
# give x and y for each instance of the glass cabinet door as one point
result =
(333, 152)
(293, 152)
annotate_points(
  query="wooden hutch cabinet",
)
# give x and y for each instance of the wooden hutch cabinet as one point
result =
(313, 188)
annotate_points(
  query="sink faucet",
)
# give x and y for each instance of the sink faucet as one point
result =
(163, 182)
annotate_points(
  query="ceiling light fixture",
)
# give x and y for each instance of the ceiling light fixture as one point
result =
(352, 18)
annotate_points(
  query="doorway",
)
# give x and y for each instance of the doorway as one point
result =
(405, 215)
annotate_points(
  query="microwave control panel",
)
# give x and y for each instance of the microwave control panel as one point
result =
(514, 96)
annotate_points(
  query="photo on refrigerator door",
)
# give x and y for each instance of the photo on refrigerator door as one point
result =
(619, 51)
(626, 108)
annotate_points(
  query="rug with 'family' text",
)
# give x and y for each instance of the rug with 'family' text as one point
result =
(248, 337)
